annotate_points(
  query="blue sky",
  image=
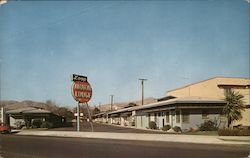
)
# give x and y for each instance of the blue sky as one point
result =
(171, 43)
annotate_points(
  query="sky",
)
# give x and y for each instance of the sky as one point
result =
(114, 43)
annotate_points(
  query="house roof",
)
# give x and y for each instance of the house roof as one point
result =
(248, 79)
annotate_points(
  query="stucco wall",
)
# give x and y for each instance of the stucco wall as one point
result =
(195, 119)
(210, 89)
(245, 121)
(141, 119)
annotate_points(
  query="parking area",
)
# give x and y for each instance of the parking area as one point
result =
(98, 127)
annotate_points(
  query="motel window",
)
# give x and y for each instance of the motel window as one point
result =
(185, 117)
(167, 117)
(177, 114)
(159, 114)
(205, 114)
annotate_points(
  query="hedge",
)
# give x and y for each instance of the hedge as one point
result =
(234, 132)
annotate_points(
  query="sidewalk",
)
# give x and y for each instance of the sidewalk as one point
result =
(200, 139)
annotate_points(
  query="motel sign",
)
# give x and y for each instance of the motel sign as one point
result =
(81, 89)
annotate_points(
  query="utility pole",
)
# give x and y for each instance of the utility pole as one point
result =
(99, 105)
(142, 89)
(111, 102)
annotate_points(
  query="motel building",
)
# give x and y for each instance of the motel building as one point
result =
(186, 107)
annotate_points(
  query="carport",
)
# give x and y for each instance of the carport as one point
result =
(28, 114)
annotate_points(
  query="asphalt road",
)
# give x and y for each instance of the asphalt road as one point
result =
(100, 127)
(13, 146)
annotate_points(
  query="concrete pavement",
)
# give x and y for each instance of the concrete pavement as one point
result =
(200, 139)
(14, 146)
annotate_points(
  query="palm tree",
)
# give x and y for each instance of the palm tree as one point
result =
(234, 106)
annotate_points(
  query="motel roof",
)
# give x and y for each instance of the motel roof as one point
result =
(186, 100)
(101, 113)
(122, 110)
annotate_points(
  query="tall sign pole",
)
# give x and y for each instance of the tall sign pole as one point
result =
(78, 117)
(142, 90)
(82, 93)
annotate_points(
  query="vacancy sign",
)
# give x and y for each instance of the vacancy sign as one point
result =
(81, 89)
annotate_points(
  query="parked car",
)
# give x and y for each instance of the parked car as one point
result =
(4, 128)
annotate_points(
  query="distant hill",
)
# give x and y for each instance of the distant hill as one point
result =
(120, 105)
(11, 104)
(23, 104)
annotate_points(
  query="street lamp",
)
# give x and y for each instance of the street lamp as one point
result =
(142, 89)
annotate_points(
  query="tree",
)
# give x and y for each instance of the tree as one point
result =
(96, 111)
(51, 106)
(61, 111)
(132, 104)
(234, 106)
(83, 109)
(65, 112)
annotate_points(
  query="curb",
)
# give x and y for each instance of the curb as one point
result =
(135, 136)
(235, 138)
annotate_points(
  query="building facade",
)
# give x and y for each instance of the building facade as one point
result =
(185, 113)
(186, 107)
(216, 88)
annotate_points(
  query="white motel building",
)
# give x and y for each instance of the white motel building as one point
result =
(186, 107)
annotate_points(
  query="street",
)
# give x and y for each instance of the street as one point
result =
(13, 146)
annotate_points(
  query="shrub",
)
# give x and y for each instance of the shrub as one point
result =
(152, 125)
(46, 124)
(177, 129)
(208, 126)
(36, 123)
(133, 123)
(166, 127)
(234, 132)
